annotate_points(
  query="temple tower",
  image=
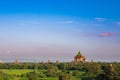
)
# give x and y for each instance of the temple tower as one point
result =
(79, 58)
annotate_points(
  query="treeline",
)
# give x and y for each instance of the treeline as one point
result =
(66, 71)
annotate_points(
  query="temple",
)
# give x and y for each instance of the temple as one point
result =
(79, 58)
(16, 61)
(1, 61)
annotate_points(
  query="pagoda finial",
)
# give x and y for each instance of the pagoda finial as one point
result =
(79, 54)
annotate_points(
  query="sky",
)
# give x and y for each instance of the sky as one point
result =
(41, 30)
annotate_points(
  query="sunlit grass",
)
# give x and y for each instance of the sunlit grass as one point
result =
(16, 71)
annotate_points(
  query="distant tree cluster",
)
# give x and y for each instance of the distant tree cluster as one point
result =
(64, 71)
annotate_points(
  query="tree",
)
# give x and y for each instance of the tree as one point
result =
(63, 66)
(33, 76)
(52, 71)
(76, 73)
(93, 68)
(110, 73)
(65, 76)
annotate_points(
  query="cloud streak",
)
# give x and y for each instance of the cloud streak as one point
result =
(108, 34)
(118, 23)
(66, 22)
(100, 19)
(102, 34)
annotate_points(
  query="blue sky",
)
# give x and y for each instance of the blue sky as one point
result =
(56, 30)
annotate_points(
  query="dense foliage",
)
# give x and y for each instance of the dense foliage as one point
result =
(61, 71)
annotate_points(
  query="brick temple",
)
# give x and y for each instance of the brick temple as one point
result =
(79, 58)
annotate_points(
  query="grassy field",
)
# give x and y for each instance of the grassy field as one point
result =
(48, 78)
(16, 71)
(19, 72)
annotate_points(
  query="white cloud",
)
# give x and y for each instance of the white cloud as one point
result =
(66, 22)
(118, 23)
(100, 19)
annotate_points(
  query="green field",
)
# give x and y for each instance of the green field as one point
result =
(19, 72)
(16, 71)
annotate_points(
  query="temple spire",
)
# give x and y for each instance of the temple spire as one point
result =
(79, 54)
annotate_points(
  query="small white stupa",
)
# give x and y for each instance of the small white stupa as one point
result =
(1, 61)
